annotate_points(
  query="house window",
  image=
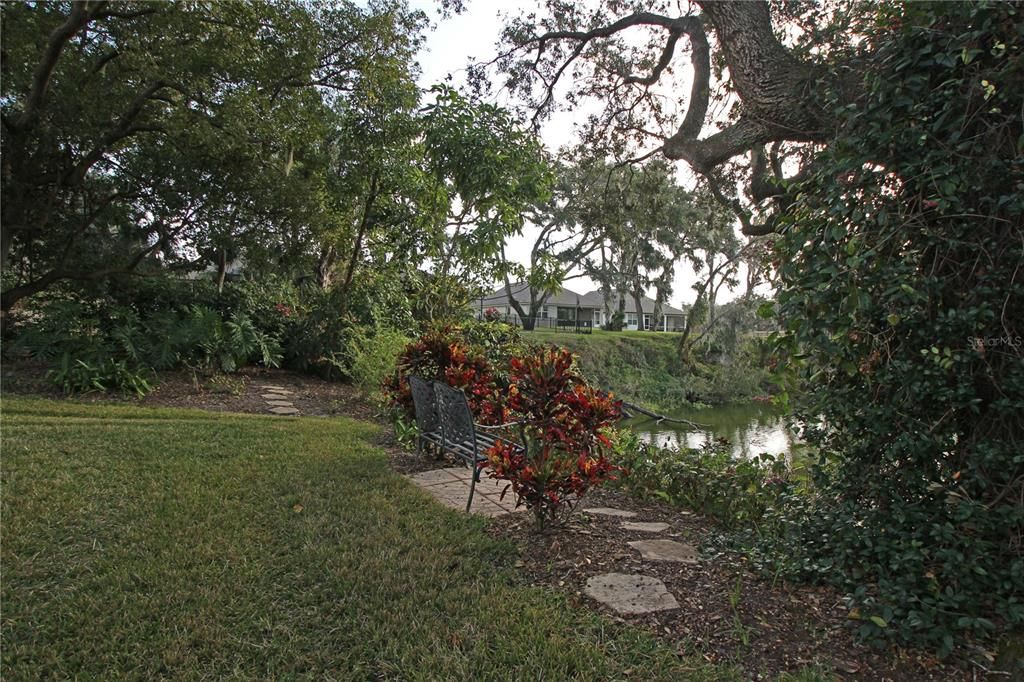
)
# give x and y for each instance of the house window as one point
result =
(566, 313)
(631, 319)
(544, 312)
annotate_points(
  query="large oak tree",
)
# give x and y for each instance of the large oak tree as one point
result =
(663, 79)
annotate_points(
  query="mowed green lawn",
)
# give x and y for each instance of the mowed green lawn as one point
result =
(141, 543)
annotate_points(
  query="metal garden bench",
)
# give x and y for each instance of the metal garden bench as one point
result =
(445, 421)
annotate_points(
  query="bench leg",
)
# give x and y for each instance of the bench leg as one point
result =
(477, 468)
(472, 486)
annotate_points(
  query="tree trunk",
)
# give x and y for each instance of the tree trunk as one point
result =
(656, 314)
(637, 296)
(517, 306)
(536, 303)
(325, 266)
(357, 246)
(222, 269)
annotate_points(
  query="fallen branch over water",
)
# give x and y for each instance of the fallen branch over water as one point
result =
(658, 417)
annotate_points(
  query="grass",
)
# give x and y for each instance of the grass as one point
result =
(142, 543)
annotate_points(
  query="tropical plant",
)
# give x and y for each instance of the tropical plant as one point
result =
(443, 354)
(562, 428)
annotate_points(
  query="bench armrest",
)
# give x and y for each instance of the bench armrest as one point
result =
(497, 426)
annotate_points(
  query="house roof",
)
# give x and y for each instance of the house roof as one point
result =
(521, 292)
(596, 300)
(569, 298)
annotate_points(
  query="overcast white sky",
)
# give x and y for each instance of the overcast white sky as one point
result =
(471, 36)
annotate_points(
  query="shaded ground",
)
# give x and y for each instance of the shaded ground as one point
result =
(238, 392)
(727, 615)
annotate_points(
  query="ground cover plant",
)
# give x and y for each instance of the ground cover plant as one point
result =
(183, 544)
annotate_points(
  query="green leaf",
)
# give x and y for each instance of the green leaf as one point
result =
(879, 621)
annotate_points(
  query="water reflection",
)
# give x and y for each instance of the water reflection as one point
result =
(751, 428)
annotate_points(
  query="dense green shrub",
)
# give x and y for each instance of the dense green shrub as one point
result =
(736, 492)
(317, 338)
(902, 299)
(96, 346)
(373, 357)
(383, 301)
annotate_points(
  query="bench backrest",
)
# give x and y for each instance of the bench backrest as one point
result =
(456, 417)
(423, 401)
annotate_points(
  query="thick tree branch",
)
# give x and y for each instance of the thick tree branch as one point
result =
(124, 128)
(81, 14)
(666, 57)
(690, 26)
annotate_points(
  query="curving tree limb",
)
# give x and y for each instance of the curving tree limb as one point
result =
(774, 86)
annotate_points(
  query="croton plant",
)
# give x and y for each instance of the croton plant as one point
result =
(440, 355)
(564, 421)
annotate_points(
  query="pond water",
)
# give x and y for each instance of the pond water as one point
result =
(751, 428)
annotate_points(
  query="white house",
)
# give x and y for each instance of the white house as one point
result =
(568, 306)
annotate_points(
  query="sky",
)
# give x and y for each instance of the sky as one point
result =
(453, 43)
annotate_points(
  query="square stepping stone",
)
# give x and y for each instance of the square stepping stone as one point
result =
(432, 477)
(665, 550)
(284, 410)
(279, 403)
(630, 593)
(273, 396)
(272, 387)
(611, 511)
(645, 526)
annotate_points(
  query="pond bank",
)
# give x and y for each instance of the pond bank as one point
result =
(644, 368)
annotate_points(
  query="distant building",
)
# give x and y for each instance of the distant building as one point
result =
(565, 305)
(671, 318)
(568, 306)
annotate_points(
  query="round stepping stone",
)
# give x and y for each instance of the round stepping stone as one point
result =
(610, 511)
(284, 410)
(279, 403)
(273, 396)
(665, 550)
(631, 594)
(645, 526)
